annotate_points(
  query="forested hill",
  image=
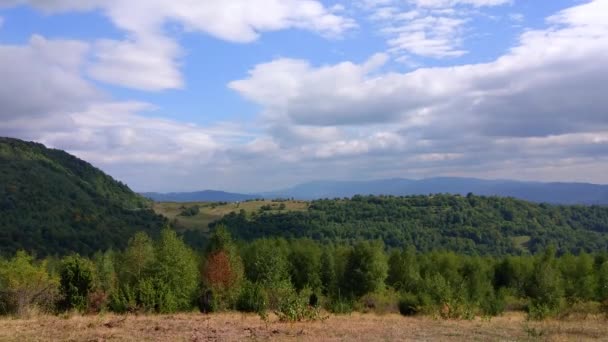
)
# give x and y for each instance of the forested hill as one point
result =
(54, 203)
(465, 224)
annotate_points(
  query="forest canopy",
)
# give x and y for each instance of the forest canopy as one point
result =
(463, 224)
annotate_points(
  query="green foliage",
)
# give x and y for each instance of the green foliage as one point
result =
(327, 272)
(409, 304)
(26, 285)
(305, 264)
(366, 269)
(288, 277)
(465, 225)
(293, 306)
(190, 211)
(176, 272)
(158, 277)
(54, 203)
(266, 261)
(545, 287)
(76, 277)
(253, 298)
(379, 302)
(602, 289)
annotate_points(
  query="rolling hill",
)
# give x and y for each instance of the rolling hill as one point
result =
(464, 224)
(54, 203)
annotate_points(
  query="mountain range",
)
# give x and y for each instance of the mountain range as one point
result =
(539, 192)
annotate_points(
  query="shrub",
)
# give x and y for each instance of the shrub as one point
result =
(293, 307)
(190, 211)
(252, 298)
(409, 304)
(380, 302)
(25, 286)
(76, 281)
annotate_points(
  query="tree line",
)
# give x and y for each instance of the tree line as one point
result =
(464, 224)
(298, 278)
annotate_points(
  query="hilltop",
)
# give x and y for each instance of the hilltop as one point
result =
(51, 202)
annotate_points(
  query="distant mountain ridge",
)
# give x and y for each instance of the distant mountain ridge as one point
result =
(198, 196)
(539, 192)
(554, 192)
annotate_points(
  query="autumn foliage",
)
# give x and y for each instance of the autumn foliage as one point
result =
(218, 272)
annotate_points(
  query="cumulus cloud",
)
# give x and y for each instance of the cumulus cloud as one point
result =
(147, 58)
(537, 111)
(542, 101)
(45, 77)
(534, 89)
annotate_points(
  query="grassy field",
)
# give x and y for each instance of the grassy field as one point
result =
(240, 327)
(209, 212)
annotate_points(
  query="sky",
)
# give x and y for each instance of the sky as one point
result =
(258, 95)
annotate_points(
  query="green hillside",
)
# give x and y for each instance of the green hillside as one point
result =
(54, 203)
(470, 225)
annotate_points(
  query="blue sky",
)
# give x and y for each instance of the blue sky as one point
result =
(260, 94)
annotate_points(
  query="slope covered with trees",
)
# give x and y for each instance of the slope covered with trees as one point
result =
(464, 224)
(54, 203)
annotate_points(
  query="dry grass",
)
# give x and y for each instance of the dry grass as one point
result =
(239, 327)
(210, 212)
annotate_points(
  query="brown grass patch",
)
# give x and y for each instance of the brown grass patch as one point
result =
(239, 327)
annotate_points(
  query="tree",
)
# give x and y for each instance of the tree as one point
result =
(222, 270)
(328, 272)
(545, 289)
(266, 262)
(25, 284)
(137, 258)
(76, 276)
(366, 269)
(403, 271)
(305, 264)
(176, 274)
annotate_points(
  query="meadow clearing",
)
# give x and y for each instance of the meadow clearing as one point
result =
(511, 326)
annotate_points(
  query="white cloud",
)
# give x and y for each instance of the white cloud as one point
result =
(45, 77)
(450, 3)
(562, 62)
(425, 28)
(542, 101)
(147, 63)
(148, 58)
(537, 111)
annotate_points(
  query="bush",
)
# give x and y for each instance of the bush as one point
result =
(340, 305)
(190, 211)
(252, 298)
(494, 303)
(76, 281)
(26, 286)
(409, 304)
(380, 302)
(294, 307)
